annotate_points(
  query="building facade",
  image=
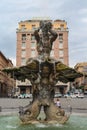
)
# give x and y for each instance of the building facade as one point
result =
(26, 43)
(6, 83)
(82, 81)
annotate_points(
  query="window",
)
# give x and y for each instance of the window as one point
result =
(23, 36)
(23, 45)
(23, 53)
(61, 53)
(33, 27)
(33, 54)
(52, 53)
(23, 27)
(28, 36)
(60, 36)
(23, 61)
(33, 45)
(62, 26)
(61, 59)
(32, 37)
(61, 44)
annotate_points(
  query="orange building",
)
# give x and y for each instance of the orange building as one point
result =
(6, 83)
(26, 43)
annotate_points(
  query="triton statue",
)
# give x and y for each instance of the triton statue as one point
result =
(45, 37)
(44, 72)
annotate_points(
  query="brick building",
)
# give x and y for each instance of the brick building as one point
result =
(82, 81)
(26, 43)
(6, 83)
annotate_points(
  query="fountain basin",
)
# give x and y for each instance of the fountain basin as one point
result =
(75, 122)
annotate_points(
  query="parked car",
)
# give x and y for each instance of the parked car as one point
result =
(73, 96)
(57, 95)
(25, 96)
(85, 92)
(77, 95)
(66, 95)
(22, 96)
(28, 95)
(15, 95)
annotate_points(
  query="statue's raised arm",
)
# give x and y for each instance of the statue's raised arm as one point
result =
(45, 37)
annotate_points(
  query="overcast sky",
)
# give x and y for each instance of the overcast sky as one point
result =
(74, 12)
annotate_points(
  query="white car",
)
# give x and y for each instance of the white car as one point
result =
(77, 95)
(28, 95)
(73, 96)
(22, 96)
(25, 96)
(80, 96)
(57, 95)
(66, 95)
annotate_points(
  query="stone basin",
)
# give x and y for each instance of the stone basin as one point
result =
(75, 122)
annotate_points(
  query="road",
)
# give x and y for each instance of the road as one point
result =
(78, 105)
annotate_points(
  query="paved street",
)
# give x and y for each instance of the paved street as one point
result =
(78, 105)
(12, 105)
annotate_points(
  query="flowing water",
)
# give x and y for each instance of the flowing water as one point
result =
(76, 122)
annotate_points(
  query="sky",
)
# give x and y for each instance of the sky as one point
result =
(74, 12)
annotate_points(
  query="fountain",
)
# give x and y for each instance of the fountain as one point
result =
(44, 72)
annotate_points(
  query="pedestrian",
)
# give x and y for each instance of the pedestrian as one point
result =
(58, 104)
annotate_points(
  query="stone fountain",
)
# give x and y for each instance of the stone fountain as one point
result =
(44, 72)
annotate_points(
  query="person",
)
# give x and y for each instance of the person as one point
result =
(58, 104)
